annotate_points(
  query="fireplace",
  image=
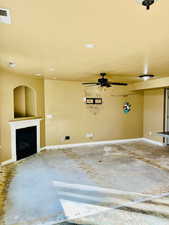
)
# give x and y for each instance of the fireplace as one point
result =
(25, 138)
(26, 142)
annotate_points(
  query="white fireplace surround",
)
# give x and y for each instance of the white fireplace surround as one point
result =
(23, 124)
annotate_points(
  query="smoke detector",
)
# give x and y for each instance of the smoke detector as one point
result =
(5, 16)
(90, 45)
(147, 3)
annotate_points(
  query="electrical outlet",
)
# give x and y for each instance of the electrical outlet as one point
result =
(5, 16)
(89, 135)
(67, 138)
(150, 133)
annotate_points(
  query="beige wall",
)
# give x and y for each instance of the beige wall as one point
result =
(64, 101)
(153, 113)
(19, 101)
(24, 102)
(30, 102)
(7, 84)
(70, 116)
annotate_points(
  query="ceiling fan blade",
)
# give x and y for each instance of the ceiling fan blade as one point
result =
(117, 83)
(94, 83)
(89, 83)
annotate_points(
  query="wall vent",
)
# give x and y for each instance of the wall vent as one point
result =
(5, 16)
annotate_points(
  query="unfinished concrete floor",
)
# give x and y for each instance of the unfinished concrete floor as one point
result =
(118, 184)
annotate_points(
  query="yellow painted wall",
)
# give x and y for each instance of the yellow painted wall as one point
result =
(7, 84)
(19, 101)
(71, 116)
(64, 101)
(30, 103)
(153, 113)
(24, 102)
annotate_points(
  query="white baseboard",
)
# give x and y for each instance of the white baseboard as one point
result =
(153, 142)
(7, 162)
(50, 147)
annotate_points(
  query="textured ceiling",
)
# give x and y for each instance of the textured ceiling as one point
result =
(52, 34)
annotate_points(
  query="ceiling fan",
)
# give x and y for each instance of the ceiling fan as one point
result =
(147, 3)
(104, 82)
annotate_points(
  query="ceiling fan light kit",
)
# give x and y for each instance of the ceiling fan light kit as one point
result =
(146, 76)
(147, 3)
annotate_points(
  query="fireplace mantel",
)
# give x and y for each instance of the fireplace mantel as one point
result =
(23, 123)
(25, 118)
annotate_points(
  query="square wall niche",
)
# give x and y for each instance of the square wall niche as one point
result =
(24, 102)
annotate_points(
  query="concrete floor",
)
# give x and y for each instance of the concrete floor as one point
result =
(101, 185)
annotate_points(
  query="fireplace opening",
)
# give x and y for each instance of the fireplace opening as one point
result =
(26, 142)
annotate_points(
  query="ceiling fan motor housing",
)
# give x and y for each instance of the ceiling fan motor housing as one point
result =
(102, 80)
(147, 3)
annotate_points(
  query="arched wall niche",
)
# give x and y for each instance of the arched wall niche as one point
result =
(24, 101)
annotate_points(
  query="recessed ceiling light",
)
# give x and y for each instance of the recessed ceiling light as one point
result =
(146, 76)
(12, 64)
(90, 45)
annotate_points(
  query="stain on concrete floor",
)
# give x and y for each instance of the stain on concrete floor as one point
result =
(6, 174)
(83, 185)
